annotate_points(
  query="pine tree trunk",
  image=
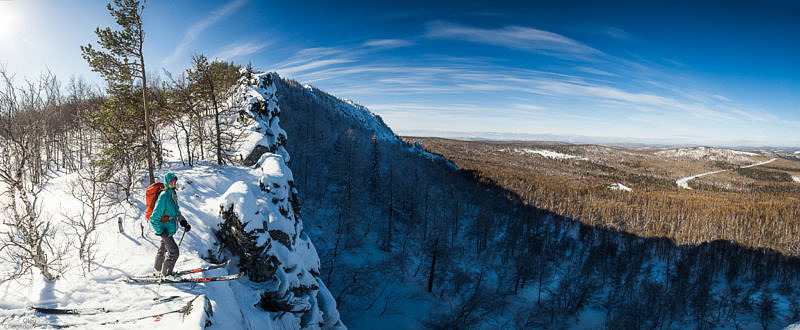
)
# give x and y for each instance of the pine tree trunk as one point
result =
(433, 266)
(149, 137)
(216, 123)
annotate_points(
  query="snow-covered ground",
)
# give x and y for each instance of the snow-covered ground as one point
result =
(714, 154)
(420, 151)
(796, 178)
(619, 186)
(128, 253)
(359, 112)
(684, 182)
(548, 154)
(203, 190)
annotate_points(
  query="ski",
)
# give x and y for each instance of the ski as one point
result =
(89, 311)
(189, 271)
(183, 279)
(82, 311)
(155, 317)
(165, 299)
(202, 269)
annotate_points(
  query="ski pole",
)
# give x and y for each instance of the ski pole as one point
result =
(184, 234)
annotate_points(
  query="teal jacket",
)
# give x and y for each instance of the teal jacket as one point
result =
(166, 205)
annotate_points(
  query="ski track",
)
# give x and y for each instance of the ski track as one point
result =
(684, 182)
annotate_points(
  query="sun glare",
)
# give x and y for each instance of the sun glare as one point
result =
(8, 19)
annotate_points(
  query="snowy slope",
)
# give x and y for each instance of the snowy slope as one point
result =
(417, 148)
(260, 196)
(714, 154)
(548, 154)
(358, 112)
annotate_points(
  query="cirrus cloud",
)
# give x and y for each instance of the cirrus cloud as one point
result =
(517, 37)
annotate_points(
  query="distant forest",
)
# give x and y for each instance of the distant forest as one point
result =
(761, 214)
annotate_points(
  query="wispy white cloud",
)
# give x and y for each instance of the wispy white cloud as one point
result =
(647, 100)
(720, 97)
(615, 33)
(528, 107)
(194, 31)
(452, 108)
(240, 49)
(756, 116)
(316, 52)
(291, 70)
(309, 55)
(516, 37)
(595, 71)
(429, 80)
(588, 96)
(388, 43)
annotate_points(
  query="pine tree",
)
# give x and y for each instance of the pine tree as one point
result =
(212, 82)
(122, 60)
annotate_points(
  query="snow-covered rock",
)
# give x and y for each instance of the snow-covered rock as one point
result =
(258, 99)
(261, 223)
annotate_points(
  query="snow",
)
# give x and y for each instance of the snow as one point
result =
(684, 182)
(264, 132)
(619, 186)
(360, 113)
(130, 253)
(796, 178)
(422, 153)
(202, 190)
(714, 154)
(548, 154)
(761, 163)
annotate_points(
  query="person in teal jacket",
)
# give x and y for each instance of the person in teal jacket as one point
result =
(167, 208)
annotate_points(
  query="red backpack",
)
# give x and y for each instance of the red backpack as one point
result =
(151, 196)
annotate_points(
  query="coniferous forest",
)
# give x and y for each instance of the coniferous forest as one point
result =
(482, 252)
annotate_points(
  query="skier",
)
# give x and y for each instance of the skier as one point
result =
(165, 218)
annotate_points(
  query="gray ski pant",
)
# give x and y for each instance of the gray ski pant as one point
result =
(169, 247)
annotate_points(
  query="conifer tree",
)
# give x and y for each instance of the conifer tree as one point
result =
(121, 61)
(212, 82)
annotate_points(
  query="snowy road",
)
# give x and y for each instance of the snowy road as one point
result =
(684, 182)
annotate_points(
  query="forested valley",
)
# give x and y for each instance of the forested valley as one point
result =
(490, 260)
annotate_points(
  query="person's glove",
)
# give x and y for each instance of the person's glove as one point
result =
(188, 227)
(183, 222)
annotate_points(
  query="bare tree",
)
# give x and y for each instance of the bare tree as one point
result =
(27, 235)
(93, 194)
(182, 109)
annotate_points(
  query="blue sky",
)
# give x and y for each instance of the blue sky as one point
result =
(718, 72)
